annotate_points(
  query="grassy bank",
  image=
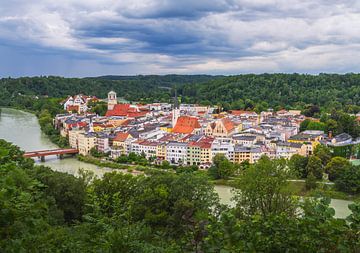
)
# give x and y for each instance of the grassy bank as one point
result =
(101, 163)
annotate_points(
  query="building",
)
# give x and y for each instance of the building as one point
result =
(288, 149)
(176, 153)
(187, 125)
(311, 138)
(242, 153)
(74, 136)
(112, 100)
(220, 128)
(86, 141)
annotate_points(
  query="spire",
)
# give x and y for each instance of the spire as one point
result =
(176, 100)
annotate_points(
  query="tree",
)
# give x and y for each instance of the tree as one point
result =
(349, 180)
(323, 153)
(263, 189)
(222, 168)
(336, 166)
(310, 182)
(297, 165)
(165, 165)
(314, 166)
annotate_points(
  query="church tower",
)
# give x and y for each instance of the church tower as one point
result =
(112, 100)
(176, 110)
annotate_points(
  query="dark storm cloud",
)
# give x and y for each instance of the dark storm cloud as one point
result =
(163, 36)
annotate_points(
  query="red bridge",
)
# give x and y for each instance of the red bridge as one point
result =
(42, 153)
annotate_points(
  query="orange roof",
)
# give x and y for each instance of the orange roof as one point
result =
(126, 110)
(241, 112)
(228, 124)
(121, 137)
(186, 125)
(202, 143)
(71, 108)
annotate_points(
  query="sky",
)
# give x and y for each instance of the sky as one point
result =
(77, 38)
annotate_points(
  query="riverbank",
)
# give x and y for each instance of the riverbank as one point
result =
(299, 189)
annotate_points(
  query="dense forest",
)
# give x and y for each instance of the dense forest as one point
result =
(46, 211)
(256, 92)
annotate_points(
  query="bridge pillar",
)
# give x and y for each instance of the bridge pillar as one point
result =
(42, 158)
(61, 156)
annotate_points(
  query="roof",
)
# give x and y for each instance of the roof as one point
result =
(186, 125)
(125, 110)
(228, 124)
(242, 112)
(72, 108)
(121, 137)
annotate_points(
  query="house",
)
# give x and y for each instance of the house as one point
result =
(242, 153)
(199, 151)
(224, 147)
(288, 149)
(78, 103)
(220, 128)
(244, 140)
(119, 142)
(176, 153)
(311, 138)
(86, 141)
(74, 136)
(103, 143)
(186, 125)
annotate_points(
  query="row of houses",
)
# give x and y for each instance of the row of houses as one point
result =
(189, 134)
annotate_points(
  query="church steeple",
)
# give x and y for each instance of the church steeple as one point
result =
(176, 110)
(112, 100)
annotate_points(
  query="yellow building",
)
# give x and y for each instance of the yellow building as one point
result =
(310, 138)
(249, 154)
(86, 142)
(119, 142)
(161, 150)
(73, 137)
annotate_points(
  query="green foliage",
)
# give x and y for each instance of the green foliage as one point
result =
(310, 182)
(315, 167)
(336, 167)
(349, 180)
(222, 168)
(95, 153)
(323, 153)
(263, 189)
(297, 165)
(46, 211)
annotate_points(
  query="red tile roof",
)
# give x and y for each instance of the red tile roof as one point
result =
(121, 137)
(228, 124)
(186, 125)
(241, 112)
(126, 110)
(71, 108)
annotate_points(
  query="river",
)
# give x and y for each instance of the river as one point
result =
(22, 129)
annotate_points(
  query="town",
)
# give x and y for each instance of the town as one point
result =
(189, 134)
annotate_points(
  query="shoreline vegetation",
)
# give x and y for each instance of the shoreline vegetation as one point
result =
(299, 187)
(49, 211)
(323, 189)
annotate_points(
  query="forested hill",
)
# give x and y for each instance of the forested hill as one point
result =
(152, 87)
(233, 92)
(279, 90)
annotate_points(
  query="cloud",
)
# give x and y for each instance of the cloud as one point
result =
(163, 36)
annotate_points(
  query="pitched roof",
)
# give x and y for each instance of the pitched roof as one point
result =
(186, 125)
(242, 112)
(228, 124)
(121, 137)
(126, 110)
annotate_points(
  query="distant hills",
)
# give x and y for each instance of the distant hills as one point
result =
(232, 92)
